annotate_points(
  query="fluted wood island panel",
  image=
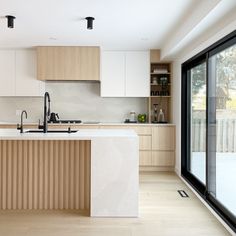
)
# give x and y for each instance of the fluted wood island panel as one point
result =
(45, 174)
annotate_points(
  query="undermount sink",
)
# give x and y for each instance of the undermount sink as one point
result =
(51, 131)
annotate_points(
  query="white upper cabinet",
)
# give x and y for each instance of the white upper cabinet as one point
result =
(7, 73)
(113, 74)
(20, 74)
(137, 74)
(125, 73)
(26, 73)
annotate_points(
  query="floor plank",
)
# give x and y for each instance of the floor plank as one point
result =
(162, 212)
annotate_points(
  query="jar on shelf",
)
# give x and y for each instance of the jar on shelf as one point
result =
(161, 117)
(154, 80)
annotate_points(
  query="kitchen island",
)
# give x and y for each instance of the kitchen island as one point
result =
(94, 170)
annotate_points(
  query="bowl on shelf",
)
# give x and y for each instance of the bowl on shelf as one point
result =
(142, 118)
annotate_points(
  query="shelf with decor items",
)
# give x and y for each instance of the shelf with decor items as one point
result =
(160, 98)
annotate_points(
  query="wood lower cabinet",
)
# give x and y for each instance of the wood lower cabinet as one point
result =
(156, 145)
(145, 142)
(163, 138)
(145, 158)
(142, 130)
(74, 127)
(163, 158)
(68, 63)
(156, 142)
(45, 174)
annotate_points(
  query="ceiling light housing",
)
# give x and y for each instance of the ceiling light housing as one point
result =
(10, 21)
(90, 20)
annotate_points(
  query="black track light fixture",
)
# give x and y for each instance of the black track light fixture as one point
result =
(90, 20)
(10, 21)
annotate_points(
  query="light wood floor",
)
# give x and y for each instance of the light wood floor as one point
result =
(162, 212)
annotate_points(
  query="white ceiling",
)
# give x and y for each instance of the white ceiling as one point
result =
(206, 20)
(119, 24)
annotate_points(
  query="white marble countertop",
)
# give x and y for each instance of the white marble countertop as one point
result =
(94, 124)
(83, 134)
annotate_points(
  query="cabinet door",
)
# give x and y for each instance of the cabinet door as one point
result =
(112, 74)
(145, 142)
(26, 76)
(137, 74)
(163, 158)
(89, 63)
(51, 63)
(7, 73)
(68, 63)
(163, 138)
(72, 63)
(145, 158)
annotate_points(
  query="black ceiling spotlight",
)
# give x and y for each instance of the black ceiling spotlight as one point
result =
(90, 20)
(10, 21)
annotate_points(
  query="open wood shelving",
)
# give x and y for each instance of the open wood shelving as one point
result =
(160, 86)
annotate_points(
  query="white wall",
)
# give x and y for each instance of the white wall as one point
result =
(177, 80)
(73, 100)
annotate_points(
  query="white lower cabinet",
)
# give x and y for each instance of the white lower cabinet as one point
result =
(125, 73)
(18, 73)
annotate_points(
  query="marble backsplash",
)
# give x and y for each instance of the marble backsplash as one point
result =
(73, 100)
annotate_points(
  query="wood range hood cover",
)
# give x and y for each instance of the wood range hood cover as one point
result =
(68, 63)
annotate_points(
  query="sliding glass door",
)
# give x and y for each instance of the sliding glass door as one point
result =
(198, 122)
(222, 126)
(209, 126)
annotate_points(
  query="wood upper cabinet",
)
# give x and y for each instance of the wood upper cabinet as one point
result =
(50, 63)
(68, 63)
(163, 138)
(90, 63)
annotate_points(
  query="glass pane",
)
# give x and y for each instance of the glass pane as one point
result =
(198, 122)
(223, 81)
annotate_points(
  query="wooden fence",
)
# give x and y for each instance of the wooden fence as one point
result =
(225, 135)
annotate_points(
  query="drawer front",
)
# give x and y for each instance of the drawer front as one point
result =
(163, 138)
(145, 142)
(88, 127)
(145, 158)
(163, 158)
(142, 130)
(113, 127)
(138, 129)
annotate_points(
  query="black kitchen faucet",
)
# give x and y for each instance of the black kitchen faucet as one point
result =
(46, 113)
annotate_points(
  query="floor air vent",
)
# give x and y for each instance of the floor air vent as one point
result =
(182, 193)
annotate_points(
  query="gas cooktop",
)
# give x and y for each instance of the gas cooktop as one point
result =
(65, 122)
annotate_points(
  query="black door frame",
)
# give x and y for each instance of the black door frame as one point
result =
(201, 188)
